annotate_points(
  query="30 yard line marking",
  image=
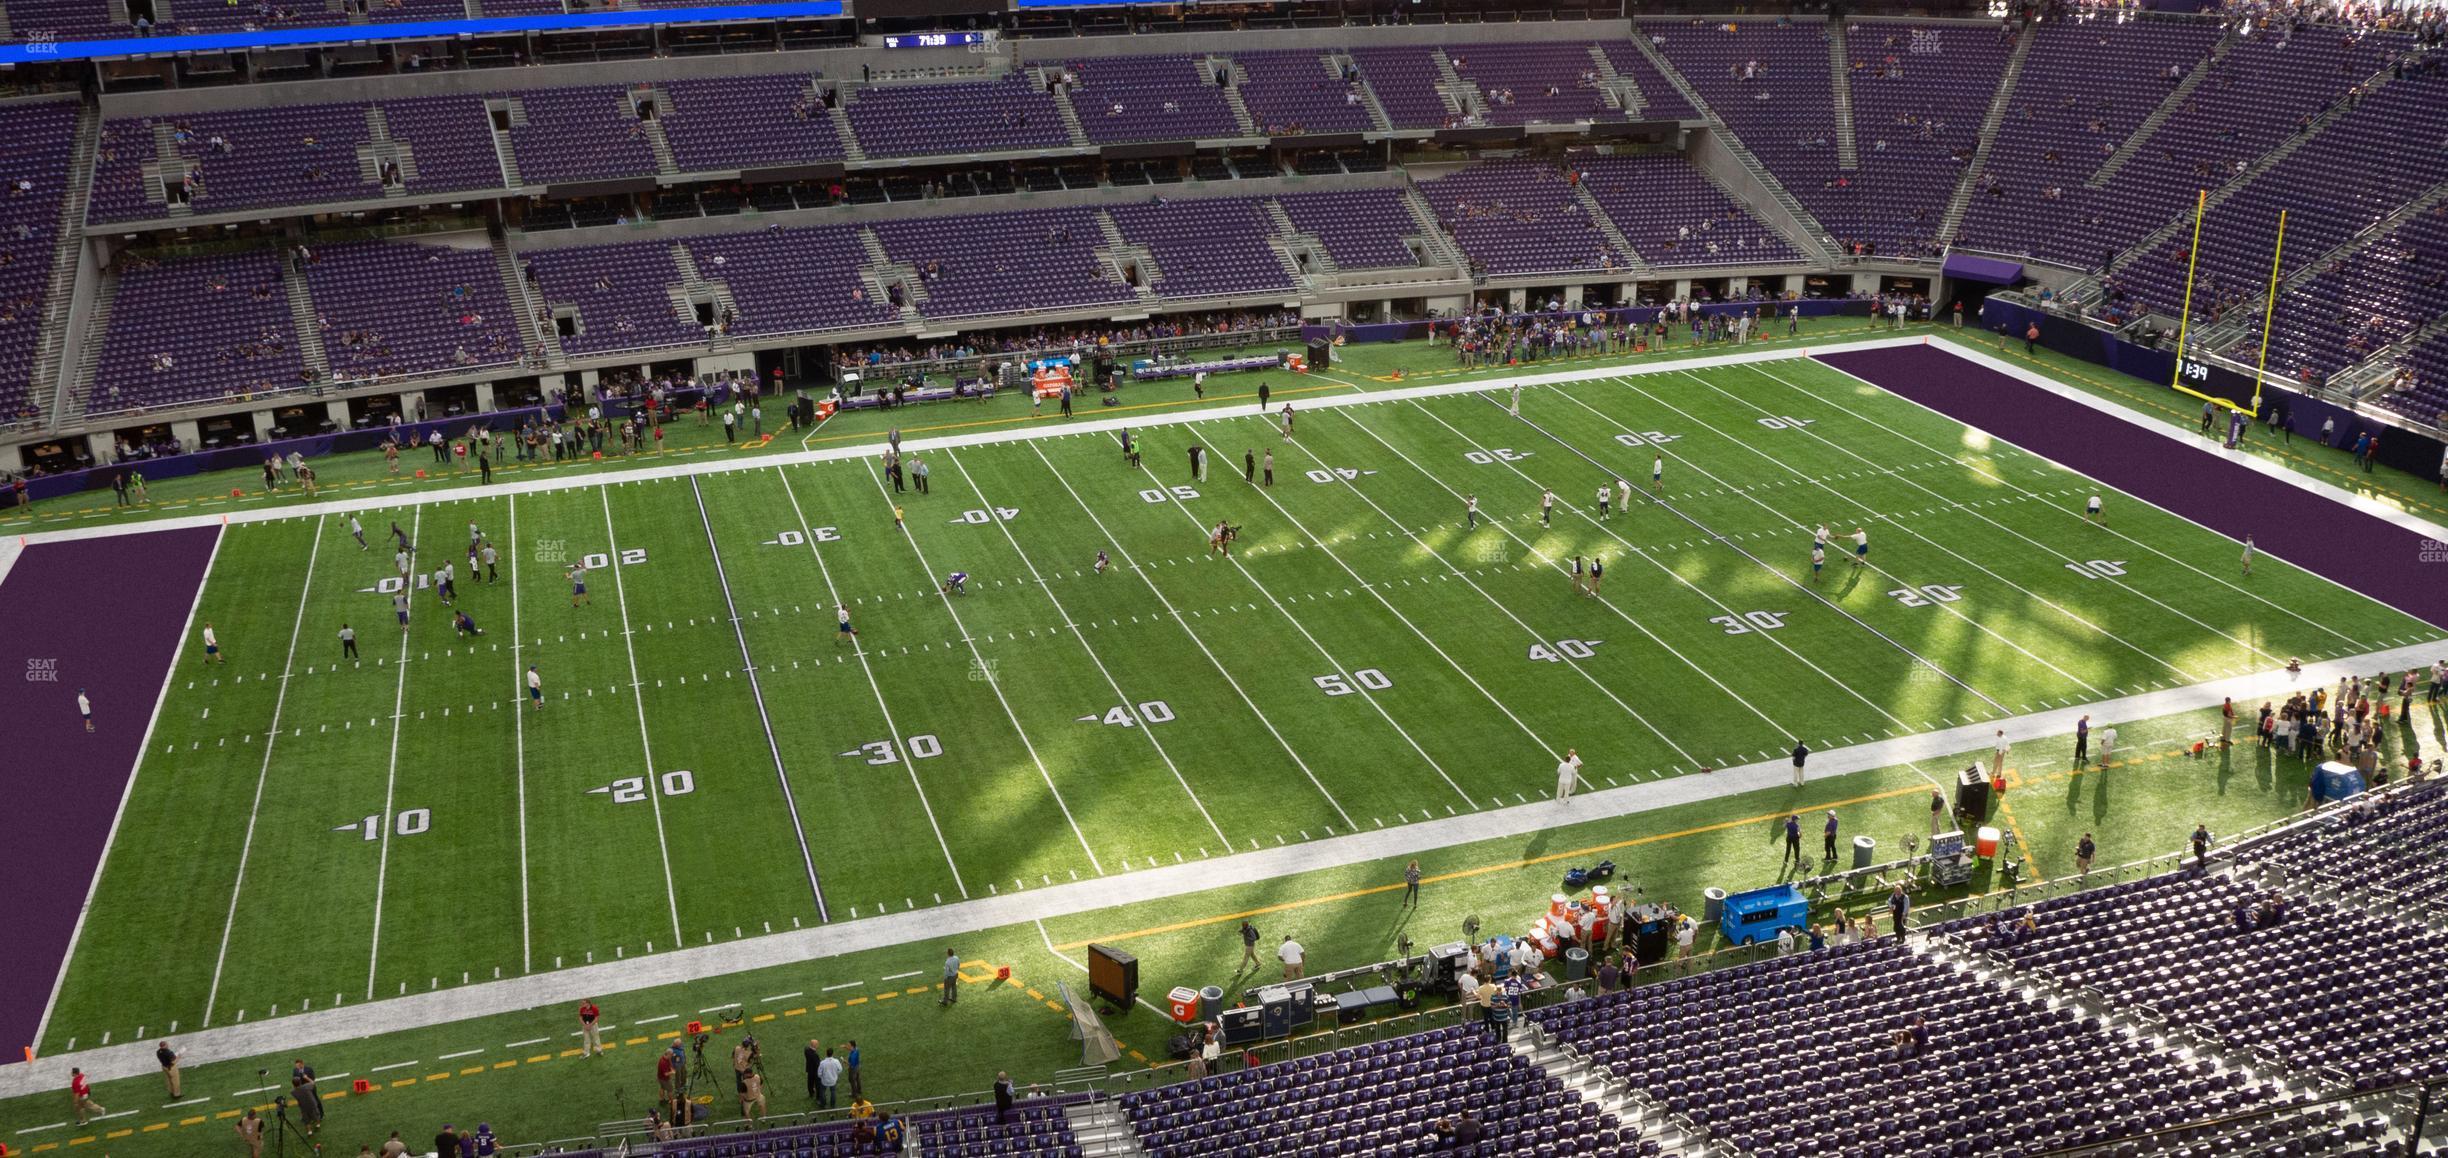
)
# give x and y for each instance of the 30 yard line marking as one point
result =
(1043, 772)
(1090, 652)
(382, 864)
(637, 696)
(519, 727)
(900, 743)
(739, 631)
(1269, 725)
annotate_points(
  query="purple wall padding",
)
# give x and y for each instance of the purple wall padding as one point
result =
(2380, 559)
(105, 615)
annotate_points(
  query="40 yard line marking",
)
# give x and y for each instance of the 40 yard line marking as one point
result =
(1043, 772)
(246, 847)
(790, 801)
(382, 864)
(637, 696)
(900, 743)
(1090, 652)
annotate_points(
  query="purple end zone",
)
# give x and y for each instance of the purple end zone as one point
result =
(2328, 538)
(105, 615)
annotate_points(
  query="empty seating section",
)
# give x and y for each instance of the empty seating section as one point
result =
(523, 7)
(1360, 228)
(1299, 92)
(2330, 189)
(995, 263)
(2380, 294)
(1150, 98)
(746, 122)
(1675, 216)
(2390, 848)
(1380, 1098)
(392, 308)
(2427, 398)
(292, 155)
(35, 140)
(1737, 1050)
(196, 329)
(1660, 99)
(621, 294)
(1405, 81)
(1920, 92)
(64, 20)
(579, 134)
(2325, 987)
(1517, 217)
(986, 116)
(91, 19)
(449, 142)
(1037, 1129)
(2085, 87)
(1520, 84)
(1207, 247)
(1770, 84)
(2253, 98)
(203, 16)
(786, 281)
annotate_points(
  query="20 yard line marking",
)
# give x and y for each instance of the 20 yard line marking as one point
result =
(1263, 721)
(246, 847)
(654, 800)
(790, 800)
(1090, 652)
(382, 864)
(1043, 773)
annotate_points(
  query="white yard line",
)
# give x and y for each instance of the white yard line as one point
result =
(900, 930)
(1340, 668)
(1505, 528)
(518, 692)
(2070, 513)
(1536, 636)
(1090, 651)
(1577, 510)
(1184, 623)
(399, 722)
(987, 671)
(161, 697)
(756, 691)
(2118, 583)
(637, 697)
(263, 774)
(900, 743)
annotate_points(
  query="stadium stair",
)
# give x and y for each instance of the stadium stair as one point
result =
(304, 320)
(168, 165)
(76, 389)
(2246, 325)
(1619, 94)
(1801, 227)
(1070, 114)
(541, 342)
(1440, 248)
(1336, 65)
(1961, 203)
(852, 152)
(881, 271)
(50, 381)
(1462, 97)
(1119, 251)
(1629, 1104)
(501, 145)
(1289, 242)
(1101, 1130)
(694, 285)
(1232, 92)
(1840, 82)
(665, 163)
(2168, 107)
(1606, 227)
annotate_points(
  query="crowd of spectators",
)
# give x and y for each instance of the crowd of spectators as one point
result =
(1073, 337)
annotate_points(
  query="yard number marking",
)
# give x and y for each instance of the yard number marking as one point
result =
(981, 518)
(1367, 677)
(408, 823)
(1150, 711)
(1750, 621)
(1565, 649)
(632, 789)
(1786, 422)
(882, 752)
(2098, 568)
(1161, 495)
(1926, 594)
(799, 539)
(1496, 455)
(1646, 438)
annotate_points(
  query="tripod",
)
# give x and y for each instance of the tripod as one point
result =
(281, 1129)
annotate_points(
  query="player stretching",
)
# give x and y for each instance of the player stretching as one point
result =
(1221, 541)
(2091, 510)
(956, 583)
(1102, 563)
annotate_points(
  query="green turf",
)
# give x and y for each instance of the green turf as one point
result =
(2138, 808)
(1361, 660)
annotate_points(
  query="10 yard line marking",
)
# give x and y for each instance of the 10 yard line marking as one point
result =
(399, 699)
(790, 800)
(900, 747)
(519, 723)
(637, 695)
(1090, 652)
(255, 810)
(1043, 772)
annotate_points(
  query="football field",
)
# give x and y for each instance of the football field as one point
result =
(711, 759)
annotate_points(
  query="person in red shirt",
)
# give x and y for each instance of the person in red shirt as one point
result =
(80, 1096)
(593, 1038)
(669, 1079)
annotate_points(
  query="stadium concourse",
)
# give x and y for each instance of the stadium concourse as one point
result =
(877, 582)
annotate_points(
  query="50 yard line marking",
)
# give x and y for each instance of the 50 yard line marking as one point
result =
(900, 744)
(399, 698)
(246, 847)
(518, 691)
(637, 696)
(790, 801)
(1043, 772)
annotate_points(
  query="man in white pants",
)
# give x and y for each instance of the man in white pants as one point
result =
(1566, 773)
(1997, 756)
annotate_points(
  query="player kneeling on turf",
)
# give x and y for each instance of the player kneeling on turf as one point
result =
(956, 583)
